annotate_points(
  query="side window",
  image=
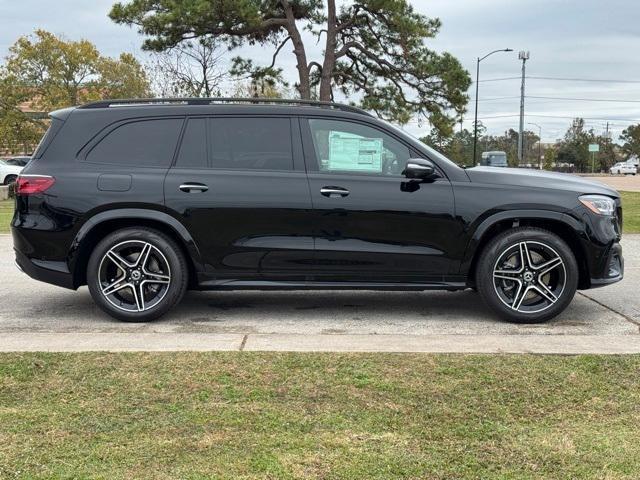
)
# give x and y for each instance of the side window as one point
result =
(193, 149)
(145, 143)
(257, 143)
(351, 147)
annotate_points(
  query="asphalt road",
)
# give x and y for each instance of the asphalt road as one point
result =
(29, 307)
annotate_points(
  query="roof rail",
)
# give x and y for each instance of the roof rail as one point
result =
(212, 101)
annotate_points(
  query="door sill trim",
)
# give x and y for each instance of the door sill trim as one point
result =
(284, 285)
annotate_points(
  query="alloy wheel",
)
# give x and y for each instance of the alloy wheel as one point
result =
(134, 276)
(529, 277)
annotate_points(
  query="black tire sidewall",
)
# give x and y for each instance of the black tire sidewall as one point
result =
(484, 273)
(169, 249)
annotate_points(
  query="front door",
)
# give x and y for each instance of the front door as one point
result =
(239, 186)
(371, 223)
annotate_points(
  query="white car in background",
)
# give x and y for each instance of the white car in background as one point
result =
(623, 168)
(10, 168)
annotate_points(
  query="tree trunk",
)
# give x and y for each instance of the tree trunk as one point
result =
(298, 49)
(205, 79)
(329, 53)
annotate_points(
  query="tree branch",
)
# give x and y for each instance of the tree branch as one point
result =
(273, 61)
(315, 64)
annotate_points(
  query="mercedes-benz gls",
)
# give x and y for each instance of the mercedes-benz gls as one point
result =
(144, 199)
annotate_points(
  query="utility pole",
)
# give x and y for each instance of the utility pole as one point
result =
(524, 56)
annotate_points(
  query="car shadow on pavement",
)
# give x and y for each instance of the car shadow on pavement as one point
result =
(308, 312)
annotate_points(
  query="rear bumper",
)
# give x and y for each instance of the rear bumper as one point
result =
(49, 272)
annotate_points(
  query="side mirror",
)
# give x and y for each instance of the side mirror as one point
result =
(419, 168)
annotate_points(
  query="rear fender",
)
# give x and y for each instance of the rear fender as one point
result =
(144, 215)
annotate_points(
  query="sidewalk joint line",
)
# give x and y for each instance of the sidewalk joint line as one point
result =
(623, 315)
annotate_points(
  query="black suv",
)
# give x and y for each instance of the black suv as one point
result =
(144, 199)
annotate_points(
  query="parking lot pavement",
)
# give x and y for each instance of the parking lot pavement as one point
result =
(30, 307)
(622, 183)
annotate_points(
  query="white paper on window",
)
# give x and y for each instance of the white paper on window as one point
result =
(354, 153)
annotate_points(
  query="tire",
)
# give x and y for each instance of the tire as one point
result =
(533, 294)
(160, 281)
(10, 179)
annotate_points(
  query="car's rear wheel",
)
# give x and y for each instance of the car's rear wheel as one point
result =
(527, 275)
(9, 179)
(137, 274)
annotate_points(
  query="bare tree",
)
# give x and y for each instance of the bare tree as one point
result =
(259, 88)
(190, 69)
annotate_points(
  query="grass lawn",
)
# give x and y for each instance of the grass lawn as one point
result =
(631, 212)
(6, 213)
(330, 416)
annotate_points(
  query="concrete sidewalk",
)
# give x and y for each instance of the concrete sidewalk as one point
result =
(40, 317)
(161, 342)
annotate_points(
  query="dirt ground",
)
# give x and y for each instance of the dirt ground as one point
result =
(623, 183)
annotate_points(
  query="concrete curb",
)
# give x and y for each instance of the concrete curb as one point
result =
(159, 342)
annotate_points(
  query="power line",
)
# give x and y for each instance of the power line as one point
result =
(629, 120)
(584, 79)
(490, 99)
(562, 79)
(583, 99)
(499, 79)
(540, 97)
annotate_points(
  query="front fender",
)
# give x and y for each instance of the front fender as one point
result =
(485, 225)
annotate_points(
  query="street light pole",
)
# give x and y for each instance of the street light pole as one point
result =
(539, 143)
(475, 121)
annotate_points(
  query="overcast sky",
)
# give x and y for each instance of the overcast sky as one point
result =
(586, 39)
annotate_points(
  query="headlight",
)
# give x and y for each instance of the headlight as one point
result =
(599, 204)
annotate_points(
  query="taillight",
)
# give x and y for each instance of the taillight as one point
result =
(33, 184)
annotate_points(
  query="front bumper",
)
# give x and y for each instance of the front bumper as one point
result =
(613, 270)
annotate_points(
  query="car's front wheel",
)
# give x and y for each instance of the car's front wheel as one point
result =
(527, 275)
(137, 274)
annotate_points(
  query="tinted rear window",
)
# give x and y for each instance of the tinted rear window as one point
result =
(46, 139)
(193, 150)
(250, 143)
(145, 143)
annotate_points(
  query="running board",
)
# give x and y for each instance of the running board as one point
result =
(282, 285)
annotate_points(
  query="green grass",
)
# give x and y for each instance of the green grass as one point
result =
(332, 416)
(631, 212)
(6, 213)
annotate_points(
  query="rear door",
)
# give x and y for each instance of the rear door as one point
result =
(371, 223)
(239, 186)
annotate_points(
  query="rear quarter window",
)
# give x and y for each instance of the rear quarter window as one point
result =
(143, 143)
(49, 135)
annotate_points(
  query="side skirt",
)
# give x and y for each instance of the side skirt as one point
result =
(275, 285)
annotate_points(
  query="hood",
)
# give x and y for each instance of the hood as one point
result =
(538, 179)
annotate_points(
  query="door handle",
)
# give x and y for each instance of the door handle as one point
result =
(193, 187)
(333, 192)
